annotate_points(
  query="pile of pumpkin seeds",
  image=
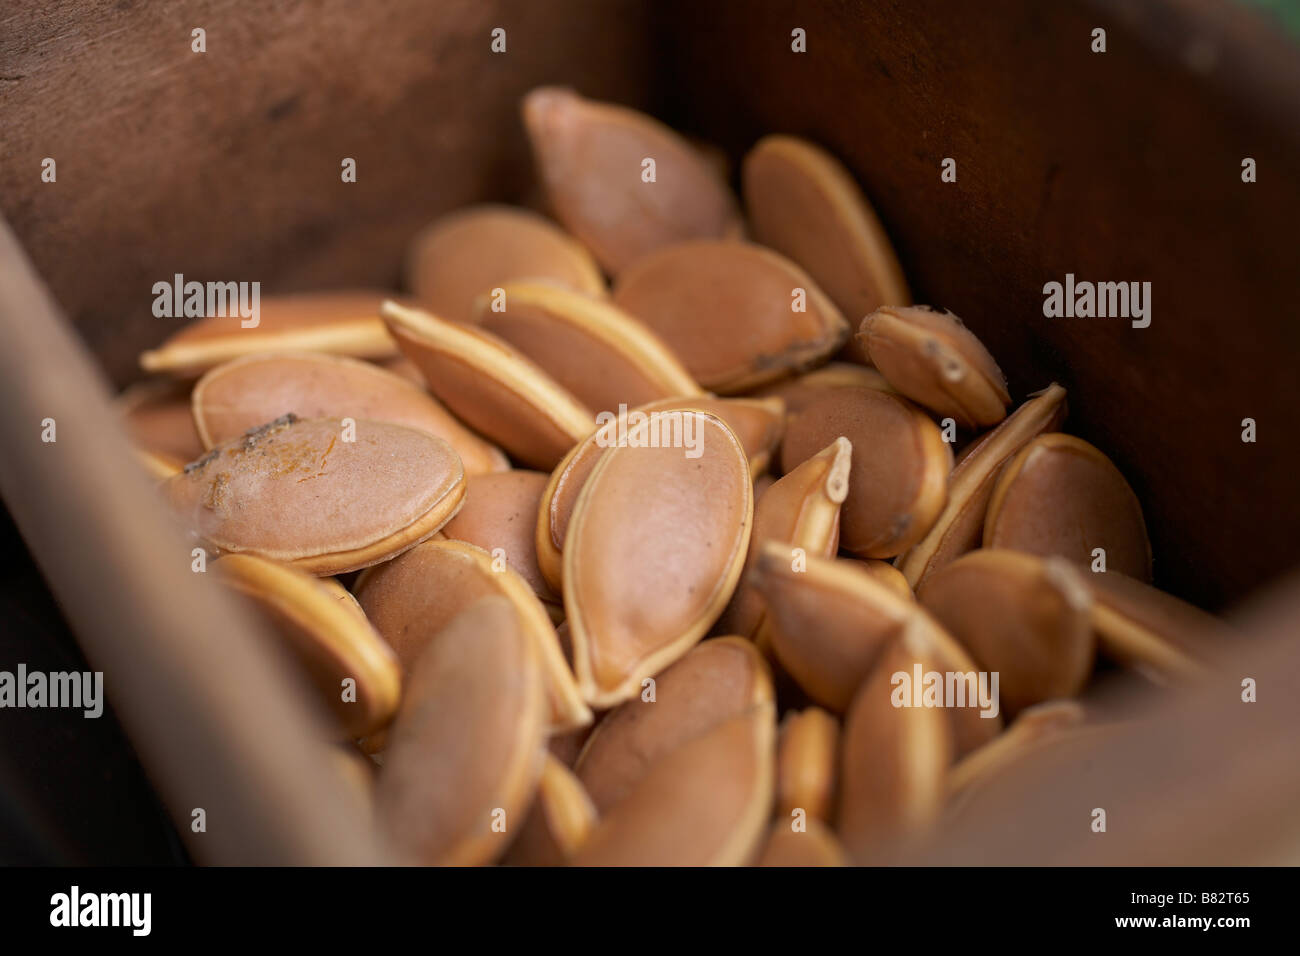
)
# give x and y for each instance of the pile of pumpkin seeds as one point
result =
(575, 642)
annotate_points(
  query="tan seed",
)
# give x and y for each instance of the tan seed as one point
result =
(1154, 631)
(757, 423)
(960, 526)
(411, 599)
(594, 349)
(807, 765)
(1061, 495)
(653, 552)
(340, 323)
(886, 574)
(590, 158)
(803, 203)
(559, 823)
(728, 310)
(715, 681)
(492, 387)
(501, 512)
(704, 804)
(327, 634)
(814, 846)
(933, 359)
(295, 491)
(241, 394)
(899, 480)
(466, 748)
(800, 391)
(894, 759)
(1021, 616)
(801, 511)
(1035, 726)
(158, 419)
(480, 248)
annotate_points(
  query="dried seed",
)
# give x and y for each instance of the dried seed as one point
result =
(652, 554)
(338, 323)
(814, 846)
(158, 419)
(1035, 726)
(714, 682)
(1154, 631)
(886, 574)
(801, 511)
(1061, 495)
(728, 310)
(591, 159)
(294, 491)
(831, 622)
(237, 396)
(327, 633)
(807, 762)
(960, 525)
(490, 386)
(474, 250)
(899, 480)
(501, 512)
(704, 804)
(894, 759)
(559, 823)
(594, 349)
(1021, 616)
(803, 203)
(411, 599)
(933, 359)
(466, 748)
(757, 423)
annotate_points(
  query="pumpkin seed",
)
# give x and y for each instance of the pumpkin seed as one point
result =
(294, 491)
(807, 759)
(814, 846)
(960, 525)
(1021, 616)
(465, 254)
(886, 574)
(653, 551)
(801, 510)
(831, 622)
(1035, 726)
(490, 386)
(158, 419)
(704, 804)
(591, 160)
(234, 397)
(411, 599)
(894, 759)
(1154, 631)
(899, 479)
(327, 634)
(500, 512)
(732, 312)
(933, 359)
(757, 423)
(803, 203)
(597, 351)
(715, 681)
(337, 323)
(1061, 495)
(466, 748)
(559, 823)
